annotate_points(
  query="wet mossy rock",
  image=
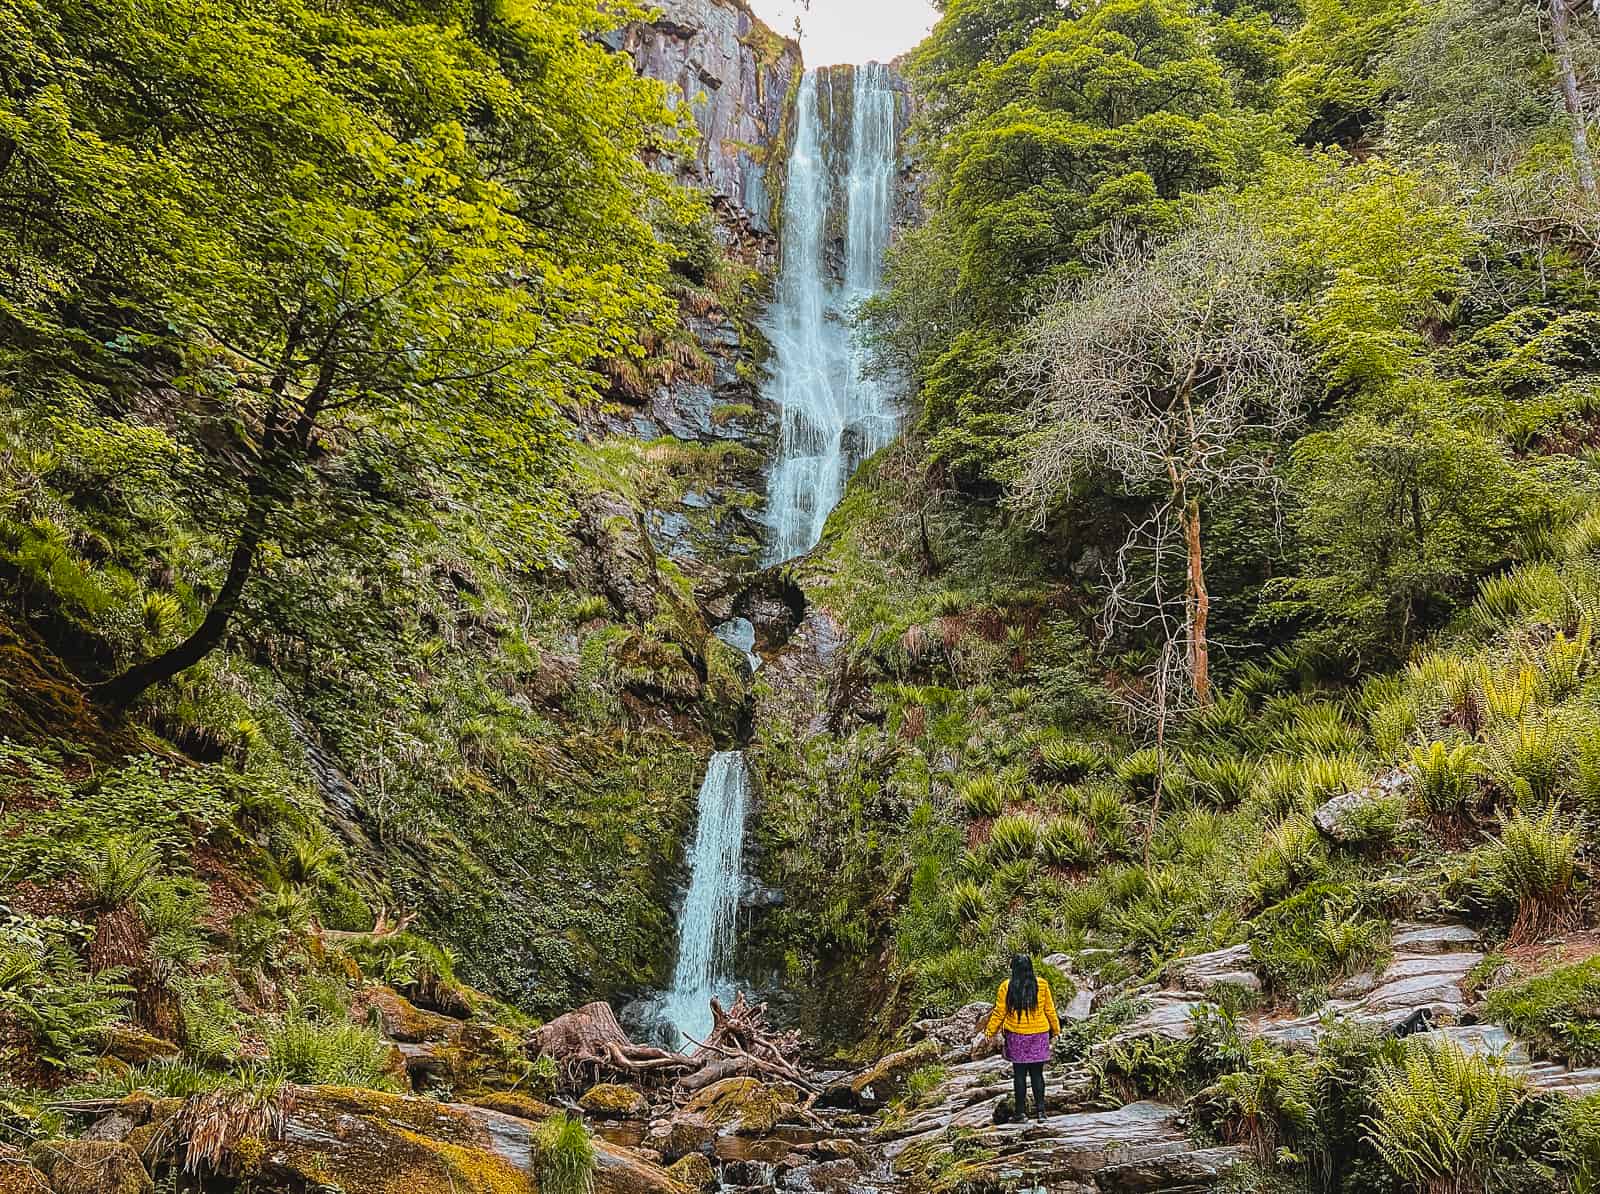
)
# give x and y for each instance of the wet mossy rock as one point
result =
(878, 1083)
(612, 1101)
(726, 697)
(694, 1172)
(18, 1176)
(405, 1021)
(750, 1106)
(135, 1046)
(90, 1167)
(365, 1142)
(721, 1101)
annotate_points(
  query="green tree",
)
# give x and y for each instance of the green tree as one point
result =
(327, 237)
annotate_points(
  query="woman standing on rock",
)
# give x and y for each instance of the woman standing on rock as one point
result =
(1025, 1011)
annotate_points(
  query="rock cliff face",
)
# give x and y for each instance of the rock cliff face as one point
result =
(740, 78)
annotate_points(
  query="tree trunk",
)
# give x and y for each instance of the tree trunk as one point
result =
(1560, 34)
(126, 688)
(277, 446)
(1199, 605)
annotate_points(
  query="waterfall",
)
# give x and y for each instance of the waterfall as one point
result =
(716, 873)
(833, 415)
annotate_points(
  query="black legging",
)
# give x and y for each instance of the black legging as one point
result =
(1021, 1075)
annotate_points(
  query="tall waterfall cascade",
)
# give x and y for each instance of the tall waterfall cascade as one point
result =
(833, 414)
(716, 873)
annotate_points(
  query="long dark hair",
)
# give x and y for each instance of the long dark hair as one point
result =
(1022, 994)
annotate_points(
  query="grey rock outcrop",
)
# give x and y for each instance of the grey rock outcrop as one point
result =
(739, 78)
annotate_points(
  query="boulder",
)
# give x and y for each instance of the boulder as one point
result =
(684, 1133)
(367, 1142)
(955, 1031)
(90, 1167)
(17, 1176)
(1349, 817)
(404, 1021)
(1203, 973)
(839, 1176)
(693, 1172)
(1137, 1149)
(611, 1101)
(134, 1045)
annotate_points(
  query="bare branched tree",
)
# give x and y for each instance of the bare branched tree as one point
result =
(1561, 13)
(1172, 371)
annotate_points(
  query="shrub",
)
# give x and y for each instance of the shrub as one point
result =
(1291, 853)
(1529, 758)
(1321, 729)
(1314, 936)
(1141, 771)
(1445, 776)
(946, 981)
(1142, 1067)
(1224, 780)
(1112, 820)
(1392, 722)
(1272, 1100)
(1013, 837)
(1324, 776)
(967, 902)
(121, 870)
(1563, 662)
(1440, 1117)
(986, 796)
(1511, 698)
(1067, 842)
(62, 1011)
(308, 1051)
(1532, 867)
(1557, 1012)
(1065, 760)
(565, 1156)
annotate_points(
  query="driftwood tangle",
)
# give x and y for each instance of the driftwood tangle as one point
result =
(589, 1044)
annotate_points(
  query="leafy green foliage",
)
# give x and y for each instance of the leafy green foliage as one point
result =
(43, 987)
(1558, 1012)
(304, 1049)
(1441, 1115)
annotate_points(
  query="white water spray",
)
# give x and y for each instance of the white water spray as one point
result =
(716, 869)
(833, 415)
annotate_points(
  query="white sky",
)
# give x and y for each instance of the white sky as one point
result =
(851, 30)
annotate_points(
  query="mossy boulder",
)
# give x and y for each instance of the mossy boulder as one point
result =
(751, 1106)
(510, 1102)
(404, 1021)
(134, 1045)
(90, 1167)
(880, 1082)
(721, 1101)
(17, 1176)
(686, 1132)
(694, 1171)
(367, 1142)
(610, 1100)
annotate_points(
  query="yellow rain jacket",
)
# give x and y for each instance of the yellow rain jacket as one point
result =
(1041, 1019)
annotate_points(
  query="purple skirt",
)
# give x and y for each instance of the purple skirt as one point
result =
(1027, 1048)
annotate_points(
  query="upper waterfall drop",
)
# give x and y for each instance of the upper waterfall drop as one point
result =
(833, 414)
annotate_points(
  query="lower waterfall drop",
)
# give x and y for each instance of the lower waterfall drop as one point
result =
(710, 910)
